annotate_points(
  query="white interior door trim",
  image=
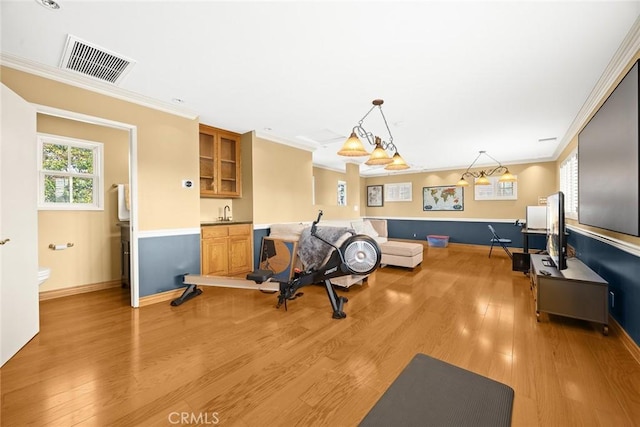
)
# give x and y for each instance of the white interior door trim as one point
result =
(133, 180)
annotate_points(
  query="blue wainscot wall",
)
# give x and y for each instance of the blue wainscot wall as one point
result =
(163, 261)
(258, 234)
(469, 232)
(618, 264)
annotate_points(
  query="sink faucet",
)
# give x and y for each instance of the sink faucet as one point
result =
(225, 218)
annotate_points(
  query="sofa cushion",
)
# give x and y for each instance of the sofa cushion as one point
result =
(380, 226)
(369, 230)
(287, 231)
(358, 226)
(408, 249)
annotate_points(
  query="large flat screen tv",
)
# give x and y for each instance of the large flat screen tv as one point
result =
(556, 232)
(608, 154)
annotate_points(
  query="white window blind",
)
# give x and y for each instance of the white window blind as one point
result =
(569, 184)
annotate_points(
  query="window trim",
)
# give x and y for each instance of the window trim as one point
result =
(98, 173)
(570, 188)
(493, 191)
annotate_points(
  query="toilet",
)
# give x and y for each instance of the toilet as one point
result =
(43, 275)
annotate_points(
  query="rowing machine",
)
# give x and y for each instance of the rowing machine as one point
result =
(359, 254)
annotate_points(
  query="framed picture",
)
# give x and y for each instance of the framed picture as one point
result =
(443, 198)
(374, 195)
(342, 193)
(400, 192)
(278, 256)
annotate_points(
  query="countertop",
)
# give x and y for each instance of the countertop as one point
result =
(202, 223)
(233, 222)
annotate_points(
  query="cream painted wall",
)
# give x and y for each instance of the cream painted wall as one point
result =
(167, 147)
(282, 179)
(243, 207)
(213, 209)
(573, 144)
(534, 180)
(95, 256)
(326, 186)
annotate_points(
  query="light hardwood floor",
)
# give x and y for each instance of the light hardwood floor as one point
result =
(229, 356)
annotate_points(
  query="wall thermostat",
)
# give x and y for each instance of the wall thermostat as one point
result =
(187, 183)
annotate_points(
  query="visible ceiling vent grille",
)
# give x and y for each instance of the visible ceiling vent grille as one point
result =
(94, 61)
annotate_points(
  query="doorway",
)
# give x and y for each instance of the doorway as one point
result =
(130, 134)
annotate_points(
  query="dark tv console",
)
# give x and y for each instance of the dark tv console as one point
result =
(576, 291)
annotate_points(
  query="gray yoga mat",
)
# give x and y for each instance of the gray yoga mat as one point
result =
(430, 392)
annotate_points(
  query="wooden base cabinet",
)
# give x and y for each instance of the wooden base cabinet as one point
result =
(226, 250)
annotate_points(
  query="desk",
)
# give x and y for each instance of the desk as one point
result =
(526, 232)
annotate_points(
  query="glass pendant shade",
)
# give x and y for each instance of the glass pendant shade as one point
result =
(462, 182)
(397, 163)
(507, 177)
(353, 147)
(483, 180)
(481, 176)
(379, 157)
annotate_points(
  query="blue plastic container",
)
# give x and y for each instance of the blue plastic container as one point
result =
(438, 241)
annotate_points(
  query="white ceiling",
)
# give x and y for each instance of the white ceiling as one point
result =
(456, 77)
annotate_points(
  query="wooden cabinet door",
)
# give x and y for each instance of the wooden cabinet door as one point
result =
(228, 162)
(208, 169)
(220, 163)
(240, 254)
(215, 256)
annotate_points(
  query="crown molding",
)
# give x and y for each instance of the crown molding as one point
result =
(617, 66)
(283, 141)
(53, 73)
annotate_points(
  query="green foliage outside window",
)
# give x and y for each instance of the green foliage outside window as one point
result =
(83, 190)
(76, 184)
(56, 189)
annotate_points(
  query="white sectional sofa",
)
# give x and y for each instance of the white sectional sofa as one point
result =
(394, 253)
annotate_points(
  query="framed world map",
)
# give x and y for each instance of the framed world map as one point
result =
(443, 198)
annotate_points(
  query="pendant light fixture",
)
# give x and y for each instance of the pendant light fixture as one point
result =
(481, 176)
(353, 147)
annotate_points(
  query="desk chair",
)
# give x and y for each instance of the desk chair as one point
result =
(495, 239)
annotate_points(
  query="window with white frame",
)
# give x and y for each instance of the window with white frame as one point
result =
(496, 190)
(569, 184)
(70, 173)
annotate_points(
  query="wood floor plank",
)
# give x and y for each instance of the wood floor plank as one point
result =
(231, 354)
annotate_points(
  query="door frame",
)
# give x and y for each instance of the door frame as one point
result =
(133, 181)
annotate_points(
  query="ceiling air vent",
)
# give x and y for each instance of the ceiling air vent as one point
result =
(93, 61)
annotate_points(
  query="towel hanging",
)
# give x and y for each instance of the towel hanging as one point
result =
(124, 213)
